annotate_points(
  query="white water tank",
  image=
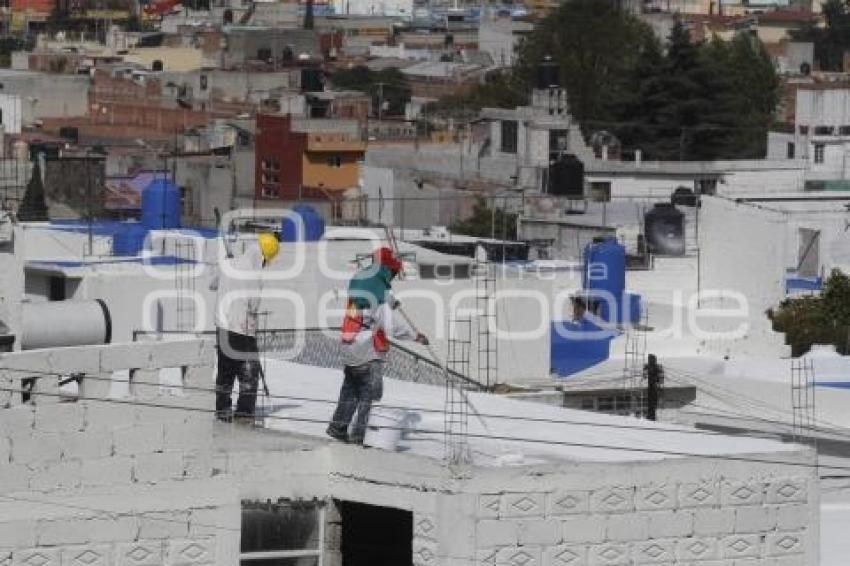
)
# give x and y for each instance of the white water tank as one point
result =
(55, 324)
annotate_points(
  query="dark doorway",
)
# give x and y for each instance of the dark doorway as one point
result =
(57, 291)
(375, 536)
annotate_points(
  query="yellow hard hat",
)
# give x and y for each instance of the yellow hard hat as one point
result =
(269, 245)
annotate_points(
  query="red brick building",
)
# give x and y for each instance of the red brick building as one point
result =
(278, 154)
(291, 164)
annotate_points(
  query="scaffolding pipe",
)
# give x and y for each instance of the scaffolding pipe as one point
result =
(65, 323)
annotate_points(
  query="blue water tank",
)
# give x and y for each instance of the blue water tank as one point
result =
(161, 205)
(129, 241)
(604, 277)
(577, 345)
(314, 225)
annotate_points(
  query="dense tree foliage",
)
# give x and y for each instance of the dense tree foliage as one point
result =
(485, 222)
(597, 47)
(34, 204)
(823, 319)
(387, 85)
(9, 44)
(832, 39)
(500, 90)
(672, 100)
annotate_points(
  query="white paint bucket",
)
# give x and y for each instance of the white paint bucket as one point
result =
(384, 428)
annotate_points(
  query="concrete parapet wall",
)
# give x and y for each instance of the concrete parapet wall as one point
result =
(120, 473)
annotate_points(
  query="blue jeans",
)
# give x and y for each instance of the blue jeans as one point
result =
(362, 386)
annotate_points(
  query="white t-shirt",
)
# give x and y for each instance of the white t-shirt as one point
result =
(362, 349)
(239, 284)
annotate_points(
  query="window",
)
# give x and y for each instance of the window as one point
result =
(335, 161)
(509, 136)
(557, 141)
(600, 191)
(819, 151)
(706, 186)
(804, 130)
(789, 151)
(824, 130)
(844, 130)
(281, 533)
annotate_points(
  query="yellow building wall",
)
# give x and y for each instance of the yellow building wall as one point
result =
(173, 58)
(320, 170)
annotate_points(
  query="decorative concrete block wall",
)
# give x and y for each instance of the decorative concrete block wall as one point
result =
(97, 480)
(750, 510)
(758, 516)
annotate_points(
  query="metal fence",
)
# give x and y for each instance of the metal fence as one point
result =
(320, 347)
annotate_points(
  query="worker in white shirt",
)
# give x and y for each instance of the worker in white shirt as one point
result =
(365, 344)
(239, 286)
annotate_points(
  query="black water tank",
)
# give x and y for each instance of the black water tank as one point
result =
(548, 74)
(566, 177)
(311, 80)
(70, 133)
(664, 227)
(156, 66)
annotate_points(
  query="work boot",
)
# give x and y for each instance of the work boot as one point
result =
(336, 436)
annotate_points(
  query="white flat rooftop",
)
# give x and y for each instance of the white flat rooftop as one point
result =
(502, 434)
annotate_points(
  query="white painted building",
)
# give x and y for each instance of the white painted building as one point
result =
(500, 37)
(388, 8)
(10, 113)
(821, 136)
(110, 455)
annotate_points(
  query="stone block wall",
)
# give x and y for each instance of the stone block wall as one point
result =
(98, 479)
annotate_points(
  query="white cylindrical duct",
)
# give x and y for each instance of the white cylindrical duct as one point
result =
(65, 323)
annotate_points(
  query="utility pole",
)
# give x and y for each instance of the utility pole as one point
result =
(654, 380)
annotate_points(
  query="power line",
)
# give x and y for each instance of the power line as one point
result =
(419, 409)
(520, 418)
(502, 438)
(733, 398)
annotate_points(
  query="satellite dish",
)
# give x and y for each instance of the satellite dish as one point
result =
(805, 69)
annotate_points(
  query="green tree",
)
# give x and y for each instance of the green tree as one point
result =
(597, 47)
(709, 101)
(832, 39)
(823, 319)
(135, 22)
(34, 204)
(58, 20)
(387, 86)
(500, 90)
(689, 101)
(485, 222)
